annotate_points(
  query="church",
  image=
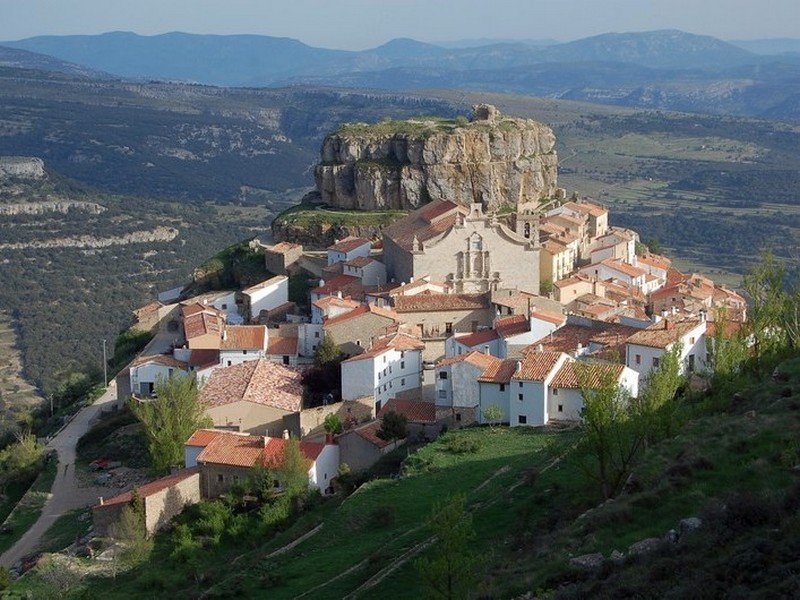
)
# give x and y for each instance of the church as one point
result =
(468, 250)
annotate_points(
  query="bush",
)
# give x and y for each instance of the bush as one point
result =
(462, 445)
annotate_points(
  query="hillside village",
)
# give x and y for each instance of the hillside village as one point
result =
(457, 314)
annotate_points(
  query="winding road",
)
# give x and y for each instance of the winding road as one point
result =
(66, 493)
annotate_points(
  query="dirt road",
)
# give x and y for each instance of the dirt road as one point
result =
(66, 494)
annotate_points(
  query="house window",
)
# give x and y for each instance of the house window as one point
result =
(560, 408)
(276, 483)
(474, 326)
(555, 391)
(656, 362)
(691, 363)
(244, 351)
(442, 374)
(502, 387)
(224, 307)
(384, 358)
(443, 394)
(316, 334)
(286, 360)
(403, 381)
(458, 417)
(358, 342)
(402, 364)
(519, 397)
(638, 359)
(229, 363)
(522, 419)
(220, 478)
(236, 478)
(448, 328)
(520, 384)
(402, 353)
(691, 340)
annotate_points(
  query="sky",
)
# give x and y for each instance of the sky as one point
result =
(361, 24)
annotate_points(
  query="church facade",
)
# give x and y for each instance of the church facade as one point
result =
(461, 246)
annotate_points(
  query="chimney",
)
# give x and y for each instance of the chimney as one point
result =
(339, 294)
(286, 434)
(266, 440)
(667, 324)
(540, 347)
(519, 366)
(329, 439)
(100, 501)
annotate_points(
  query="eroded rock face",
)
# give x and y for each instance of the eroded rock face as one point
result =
(493, 159)
(24, 167)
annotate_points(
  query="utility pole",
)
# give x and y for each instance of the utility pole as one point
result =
(105, 365)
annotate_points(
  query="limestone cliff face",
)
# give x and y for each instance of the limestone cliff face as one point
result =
(493, 159)
(24, 167)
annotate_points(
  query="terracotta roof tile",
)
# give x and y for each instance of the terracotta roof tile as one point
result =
(500, 371)
(203, 437)
(430, 302)
(360, 261)
(567, 338)
(622, 267)
(572, 374)
(425, 223)
(162, 359)
(251, 450)
(479, 359)
(348, 244)
(148, 489)
(587, 207)
(259, 381)
(348, 285)
(537, 365)
(655, 260)
(396, 341)
(513, 325)
(369, 432)
(542, 315)
(663, 333)
(476, 339)
(203, 358)
(282, 346)
(414, 410)
(244, 337)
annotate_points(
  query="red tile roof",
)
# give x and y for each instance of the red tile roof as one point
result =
(431, 302)
(259, 381)
(476, 339)
(148, 489)
(282, 346)
(244, 337)
(555, 319)
(162, 359)
(513, 325)
(568, 337)
(479, 359)
(203, 358)
(248, 451)
(663, 333)
(369, 432)
(572, 374)
(360, 261)
(203, 437)
(655, 260)
(348, 244)
(425, 223)
(587, 207)
(415, 411)
(537, 365)
(622, 267)
(500, 371)
(362, 310)
(396, 341)
(348, 285)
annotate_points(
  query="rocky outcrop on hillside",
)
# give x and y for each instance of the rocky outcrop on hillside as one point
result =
(24, 167)
(492, 159)
(51, 206)
(158, 234)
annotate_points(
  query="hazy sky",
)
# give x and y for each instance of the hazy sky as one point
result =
(359, 24)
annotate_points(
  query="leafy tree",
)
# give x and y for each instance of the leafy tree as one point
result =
(293, 468)
(393, 427)
(728, 353)
(327, 352)
(611, 437)
(452, 572)
(22, 459)
(768, 307)
(545, 287)
(658, 404)
(493, 413)
(170, 419)
(326, 375)
(333, 424)
(131, 533)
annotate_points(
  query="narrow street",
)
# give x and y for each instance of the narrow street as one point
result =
(66, 494)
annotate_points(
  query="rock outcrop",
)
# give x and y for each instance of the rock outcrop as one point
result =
(493, 159)
(24, 167)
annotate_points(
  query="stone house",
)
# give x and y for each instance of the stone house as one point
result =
(355, 331)
(226, 458)
(203, 326)
(162, 499)
(281, 257)
(257, 396)
(360, 447)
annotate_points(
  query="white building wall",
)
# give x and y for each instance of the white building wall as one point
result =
(309, 336)
(397, 371)
(229, 358)
(149, 373)
(569, 401)
(494, 394)
(527, 399)
(269, 297)
(359, 378)
(325, 467)
(444, 386)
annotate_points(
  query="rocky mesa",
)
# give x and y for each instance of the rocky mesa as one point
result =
(492, 159)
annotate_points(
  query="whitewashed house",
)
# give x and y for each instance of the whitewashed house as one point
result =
(565, 401)
(266, 295)
(486, 341)
(391, 366)
(645, 348)
(457, 394)
(347, 249)
(242, 343)
(144, 371)
(371, 272)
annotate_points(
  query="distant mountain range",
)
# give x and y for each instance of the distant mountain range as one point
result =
(669, 69)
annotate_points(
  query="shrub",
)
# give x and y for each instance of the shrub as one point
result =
(462, 445)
